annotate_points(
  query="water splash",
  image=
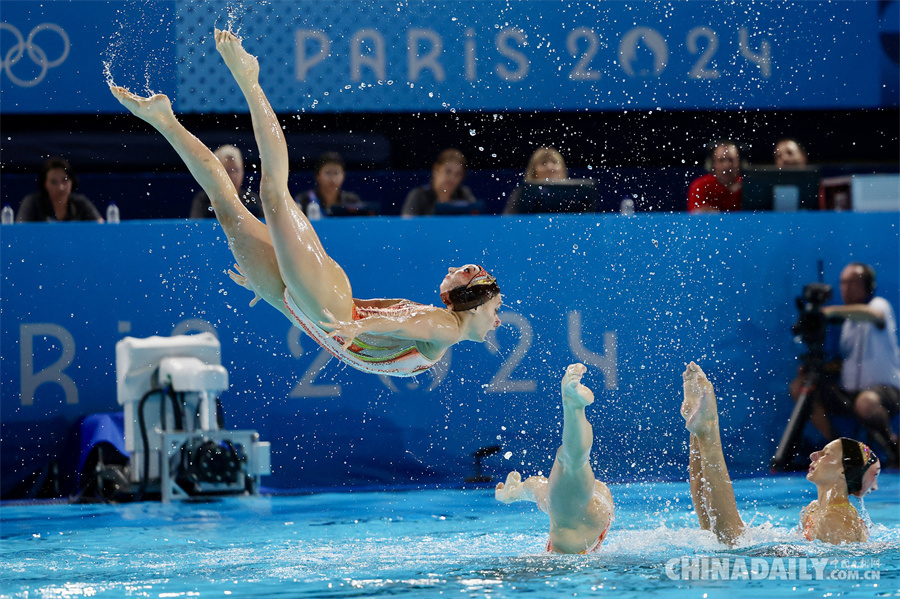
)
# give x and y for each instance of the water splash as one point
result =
(129, 57)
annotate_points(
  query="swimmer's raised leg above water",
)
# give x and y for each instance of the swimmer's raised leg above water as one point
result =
(580, 507)
(247, 236)
(284, 262)
(711, 489)
(842, 468)
(301, 256)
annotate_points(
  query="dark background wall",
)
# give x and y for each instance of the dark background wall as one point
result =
(653, 154)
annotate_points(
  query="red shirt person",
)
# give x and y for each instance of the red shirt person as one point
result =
(720, 190)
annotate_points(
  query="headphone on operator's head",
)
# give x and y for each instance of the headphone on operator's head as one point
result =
(868, 275)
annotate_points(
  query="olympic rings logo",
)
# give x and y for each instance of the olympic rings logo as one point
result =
(35, 53)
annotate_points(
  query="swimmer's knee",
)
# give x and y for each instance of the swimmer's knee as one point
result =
(273, 188)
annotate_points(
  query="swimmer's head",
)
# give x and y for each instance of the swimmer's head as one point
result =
(468, 287)
(861, 467)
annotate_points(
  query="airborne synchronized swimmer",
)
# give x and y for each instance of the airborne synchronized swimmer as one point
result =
(283, 260)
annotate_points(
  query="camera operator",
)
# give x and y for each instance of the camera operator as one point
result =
(870, 371)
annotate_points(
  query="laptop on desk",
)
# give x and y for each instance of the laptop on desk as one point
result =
(458, 208)
(571, 195)
(769, 188)
(362, 209)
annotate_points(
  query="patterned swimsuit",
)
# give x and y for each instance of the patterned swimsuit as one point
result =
(590, 549)
(369, 353)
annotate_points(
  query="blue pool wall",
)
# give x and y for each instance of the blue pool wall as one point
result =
(634, 298)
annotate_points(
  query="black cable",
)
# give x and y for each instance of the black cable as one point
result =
(176, 411)
(143, 428)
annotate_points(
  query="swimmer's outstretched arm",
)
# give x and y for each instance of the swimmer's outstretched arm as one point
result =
(429, 325)
(711, 488)
(533, 489)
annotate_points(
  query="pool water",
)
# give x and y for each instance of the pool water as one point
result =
(456, 543)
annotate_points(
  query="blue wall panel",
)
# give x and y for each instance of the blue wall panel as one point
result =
(440, 56)
(634, 298)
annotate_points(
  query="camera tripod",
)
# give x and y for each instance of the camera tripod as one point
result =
(813, 363)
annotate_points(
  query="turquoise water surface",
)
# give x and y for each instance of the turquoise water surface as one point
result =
(454, 543)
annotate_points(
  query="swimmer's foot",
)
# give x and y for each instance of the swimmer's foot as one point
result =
(156, 110)
(699, 405)
(512, 490)
(243, 65)
(574, 394)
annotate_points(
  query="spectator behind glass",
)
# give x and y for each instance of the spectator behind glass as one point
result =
(789, 154)
(546, 164)
(233, 161)
(447, 174)
(720, 190)
(329, 180)
(56, 199)
(869, 384)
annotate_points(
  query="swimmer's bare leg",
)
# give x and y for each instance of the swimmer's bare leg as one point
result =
(315, 281)
(580, 507)
(715, 493)
(247, 236)
(699, 495)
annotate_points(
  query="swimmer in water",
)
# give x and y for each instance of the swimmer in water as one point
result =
(283, 261)
(844, 467)
(580, 507)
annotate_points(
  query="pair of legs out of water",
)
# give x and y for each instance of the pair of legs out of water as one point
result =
(285, 250)
(283, 260)
(581, 508)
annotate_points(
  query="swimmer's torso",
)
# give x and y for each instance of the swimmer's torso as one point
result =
(598, 519)
(853, 529)
(370, 353)
(594, 547)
